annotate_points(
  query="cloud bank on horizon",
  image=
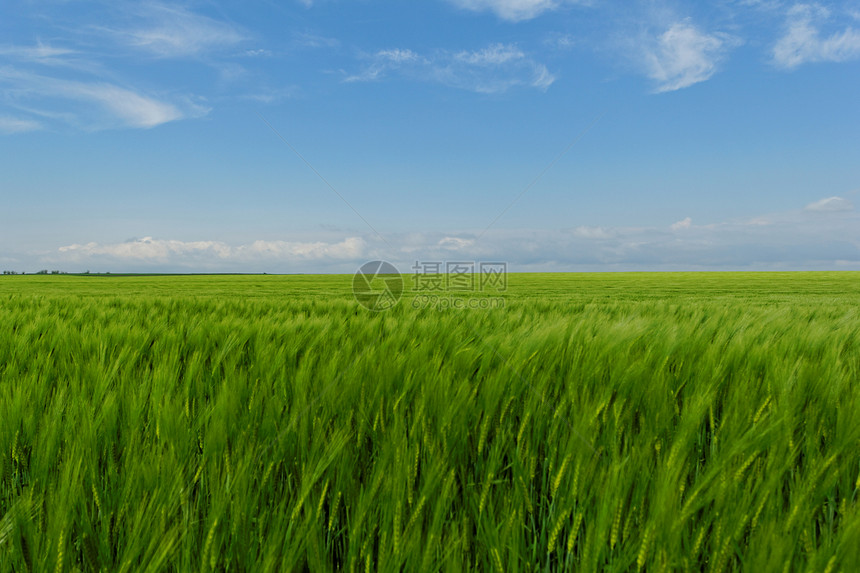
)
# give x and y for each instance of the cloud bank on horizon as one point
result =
(823, 234)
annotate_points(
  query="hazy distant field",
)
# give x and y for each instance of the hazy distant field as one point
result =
(597, 422)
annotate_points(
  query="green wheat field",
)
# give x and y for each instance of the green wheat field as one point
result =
(594, 422)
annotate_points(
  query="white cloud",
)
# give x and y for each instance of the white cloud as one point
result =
(41, 53)
(830, 205)
(803, 41)
(110, 102)
(309, 40)
(207, 253)
(513, 10)
(386, 60)
(72, 80)
(542, 79)
(683, 55)
(133, 109)
(172, 32)
(587, 232)
(684, 223)
(272, 95)
(398, 56)
(455, 243)
(348, 249)
(10, 125)
(144, 249)
(761, 221)
(258, 53)
(493, 69)
(493, 55)
(560, 42)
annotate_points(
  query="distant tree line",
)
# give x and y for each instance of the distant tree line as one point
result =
(42, 272)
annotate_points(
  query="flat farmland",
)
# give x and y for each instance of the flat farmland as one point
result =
(588, 422)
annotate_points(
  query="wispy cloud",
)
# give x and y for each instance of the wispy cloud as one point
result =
(804, 41)
(72, 82)
(272, 95)
(81, 79)
(514, 10)
(494, 55)
(559, 42)
(41, 53)
(591, 232)
(683, 55)
(493, 69)
(133, 109)
(389, 60)
(684, 223)
(311, 40)
(10, 125)
(455, 243)
(42, 56)
(830, 205)
(92, 103)
(257, 53)
(398, 56)
(174, 32)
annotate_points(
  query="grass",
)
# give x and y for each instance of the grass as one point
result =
(621, 422)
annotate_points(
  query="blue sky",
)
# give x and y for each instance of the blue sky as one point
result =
(550, 134)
